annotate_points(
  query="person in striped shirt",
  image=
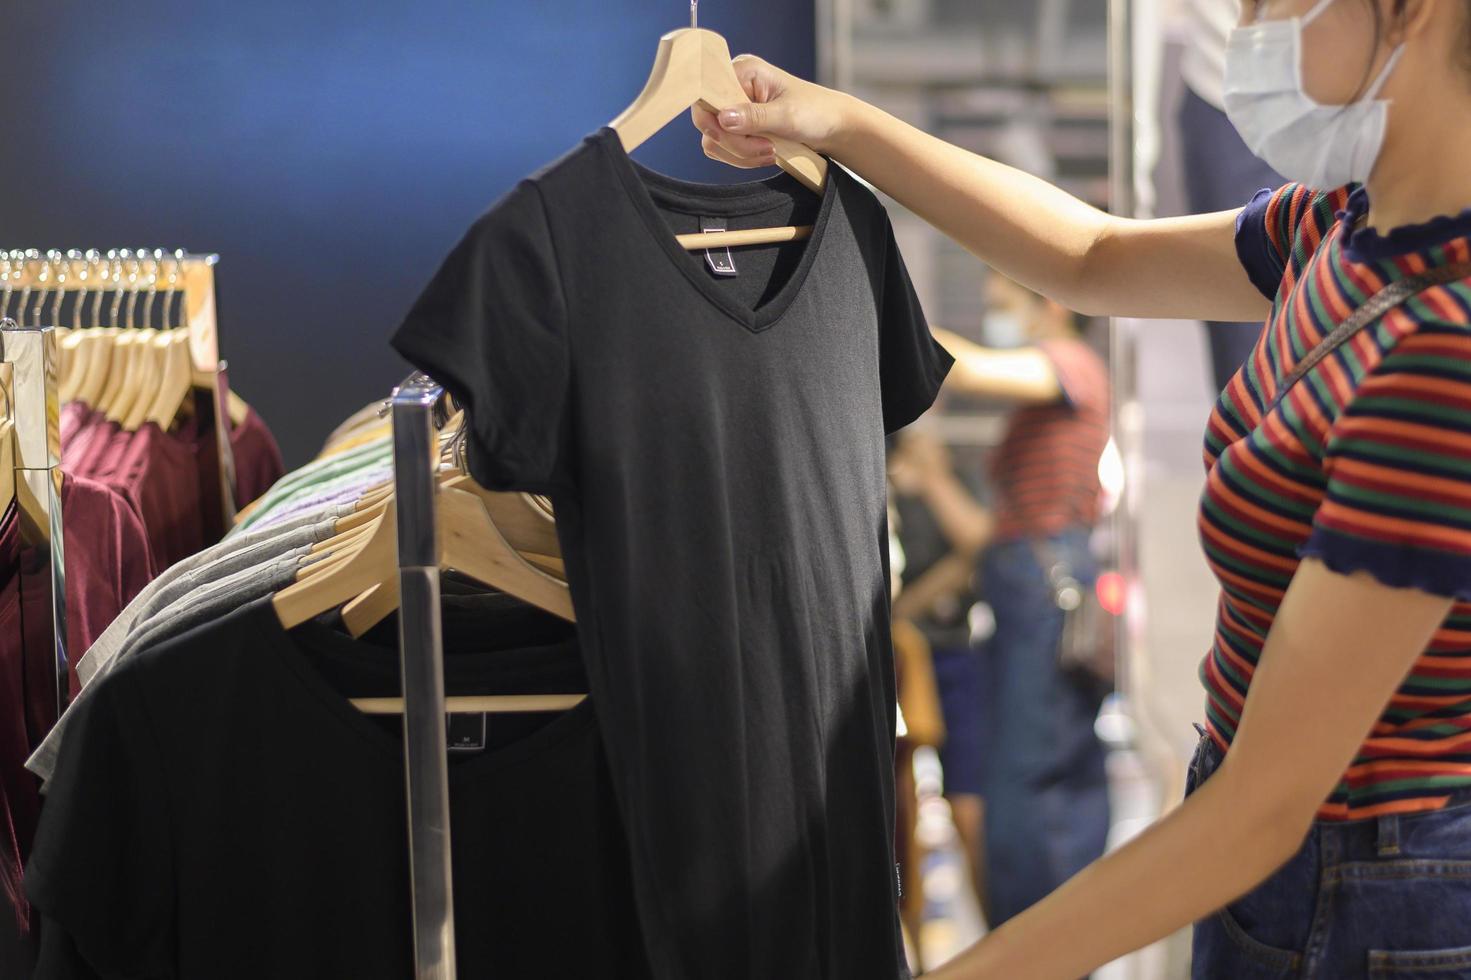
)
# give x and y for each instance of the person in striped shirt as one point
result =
(1024, 769)
(1328, 831)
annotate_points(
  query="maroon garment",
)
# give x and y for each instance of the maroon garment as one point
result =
(108, 562)
(73, 416)
(13, 740)
(88, 438)
(27, 702)
(157, 474)
(258, 461)
(108, 559)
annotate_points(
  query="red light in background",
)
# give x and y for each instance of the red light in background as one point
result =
(1111, 592)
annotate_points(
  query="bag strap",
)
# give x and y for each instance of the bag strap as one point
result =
(1379, 304)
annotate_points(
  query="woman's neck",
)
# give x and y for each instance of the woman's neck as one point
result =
(1423, 171)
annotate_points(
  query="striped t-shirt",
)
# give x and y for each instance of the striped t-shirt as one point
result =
(1366, 466)
(1046, 469)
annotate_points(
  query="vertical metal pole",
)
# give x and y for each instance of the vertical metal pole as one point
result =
(421, 660)
(1126, 409)
(32, 352)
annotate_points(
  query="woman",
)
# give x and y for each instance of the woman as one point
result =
(1333, 839)
(1024, 769)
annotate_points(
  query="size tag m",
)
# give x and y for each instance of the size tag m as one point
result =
(465, 733)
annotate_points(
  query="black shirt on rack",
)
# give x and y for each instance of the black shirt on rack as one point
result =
(221, 811)
(714, 447)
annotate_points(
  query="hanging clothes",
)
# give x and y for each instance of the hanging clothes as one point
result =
(234, 744)
(102, 577)
(158, 472)
(713, 445)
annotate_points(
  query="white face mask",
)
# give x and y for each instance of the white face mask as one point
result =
(1003, 328)
(1322, 146)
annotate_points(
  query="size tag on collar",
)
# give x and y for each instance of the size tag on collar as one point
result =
(465, 733)
(719, 259)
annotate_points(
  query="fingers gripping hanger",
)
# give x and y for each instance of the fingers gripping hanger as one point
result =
(693, 66)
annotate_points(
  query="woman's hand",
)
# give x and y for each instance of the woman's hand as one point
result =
(781, 105)
(1037, 234)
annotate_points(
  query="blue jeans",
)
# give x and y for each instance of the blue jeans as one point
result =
(1046, 790)
(1387, 898)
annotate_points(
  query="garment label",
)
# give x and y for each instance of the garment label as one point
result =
(719, 259)
(465, 733)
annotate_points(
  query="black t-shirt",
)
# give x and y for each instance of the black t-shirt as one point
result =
(714, 447)
(221, 811)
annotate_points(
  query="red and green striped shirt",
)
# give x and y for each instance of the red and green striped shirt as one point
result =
(1365, 466)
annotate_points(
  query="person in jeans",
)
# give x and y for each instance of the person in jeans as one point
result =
(1328, 831)
(1038, 765)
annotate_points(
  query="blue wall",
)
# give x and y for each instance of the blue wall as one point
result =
(330, 151)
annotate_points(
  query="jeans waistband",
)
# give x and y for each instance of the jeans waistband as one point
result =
(1439, 834)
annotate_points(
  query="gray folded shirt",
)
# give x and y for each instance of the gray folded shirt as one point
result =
(199, 588)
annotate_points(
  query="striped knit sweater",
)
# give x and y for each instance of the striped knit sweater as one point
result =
(1366, 466)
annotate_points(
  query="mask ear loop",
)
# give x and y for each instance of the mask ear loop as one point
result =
(1316, 12)
(1373, 92)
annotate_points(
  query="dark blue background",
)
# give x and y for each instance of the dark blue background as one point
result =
(331, 152)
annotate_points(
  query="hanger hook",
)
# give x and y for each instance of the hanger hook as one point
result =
(97, 273)
(177, 292)
(59, 273)
(155, 264)
(695, 13)
(135, 269)
(5, 282)
(115, 258)
(43, 284)
(76, 264)
(26, 288)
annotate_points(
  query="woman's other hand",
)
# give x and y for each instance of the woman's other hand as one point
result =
(782, 105)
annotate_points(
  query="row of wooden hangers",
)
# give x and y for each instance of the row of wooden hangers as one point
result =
(693, 67)
(130, 369)
(507, 541)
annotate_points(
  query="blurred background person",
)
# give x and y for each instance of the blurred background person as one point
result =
(1043, 780)
(942, 527)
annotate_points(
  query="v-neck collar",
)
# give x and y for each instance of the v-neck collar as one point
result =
(718, 200)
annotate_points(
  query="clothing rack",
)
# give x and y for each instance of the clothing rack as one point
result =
(421, 662)
(53, 274)
(35, 406)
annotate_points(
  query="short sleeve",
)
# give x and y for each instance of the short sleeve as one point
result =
(1398, 467)
(101, 869)
(1280, 229)
(1081, 374)
(491, 327)
(912, 364)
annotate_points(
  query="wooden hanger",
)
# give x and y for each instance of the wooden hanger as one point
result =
(525, 527)
(471, 544)
(120, 345)
(71, 368)
(693, 67)
(140, 391)
(99, 344)
(175, 380)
